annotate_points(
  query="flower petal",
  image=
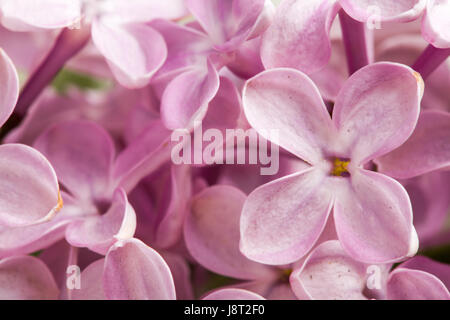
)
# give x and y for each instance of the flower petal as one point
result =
(428, 148)
(26, 278)
(98, 233)
(286, 102)
(136, 271)
(82, 161)
(233, 294)
(282, 220)
(9, 87)
(186, 98)
(377, 110)
(91, 283)
(228, 23)
(211, 233)
(373, 218)
(384, 10)
(329, 274)
(134, 52)
(299, 35)
(28, 187)
(436, 26)
(27, 15)
(407, 284)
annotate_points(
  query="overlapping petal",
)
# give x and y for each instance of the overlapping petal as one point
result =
(377, 110)
(436, 25)
(373, 218)
(135, 271)
(211, 232)
(28, 185)
(285, 107)
(428, 148)
(384, 10)
(299, 35)
(9, 87)
(133, 51)
(283, 219)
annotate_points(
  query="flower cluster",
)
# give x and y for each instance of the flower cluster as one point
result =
(224, 149)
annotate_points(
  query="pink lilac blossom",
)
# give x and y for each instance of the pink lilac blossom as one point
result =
(95, 94)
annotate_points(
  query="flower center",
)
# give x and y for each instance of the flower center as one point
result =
(340, 167)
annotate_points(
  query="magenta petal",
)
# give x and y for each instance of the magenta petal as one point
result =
(228, 23)
(299, 35)
(91, 283)
(98, 233)
(211, 233)
(377, 109)
(25, 15)
(186, 98)
(9, 87)
(436, 26)
(233, 294)
(134, 52)
(329, 274)
(137, 272)
(181, 273)
(82, 161)
(408, 284)
(384, 10)
(26, 278)
(286, 102)
(373, 217)
(28, 187)
(282, 220)
(427, 149)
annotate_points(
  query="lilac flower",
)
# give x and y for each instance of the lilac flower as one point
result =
(329, 273)
(375, 112)
(118, 29)
(29, 187)
(224, 34)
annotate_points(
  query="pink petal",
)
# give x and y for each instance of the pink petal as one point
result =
(143, 156)
(436, 25)
(26, 278)
(282, 220)
(9, 88)
(91, 283)
(438, 269)
(299, 35)
(28, 187)
(384, 10)
(82, 161)
(137, 272)
(98, 233)
(287, 103)
(27, 15)
(134, 52)
(211, 233)
(377, 110)
(170, 227)
(373, 218)
(428, 149)
(181, 273)
(329, 274)
(233, 294)
(408, 284)
(125, 11)
(228, 23)
(186, 98)
(29, 239)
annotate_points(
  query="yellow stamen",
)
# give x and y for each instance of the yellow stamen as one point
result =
(339, 167)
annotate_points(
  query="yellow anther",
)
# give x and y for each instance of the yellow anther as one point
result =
(339, 167)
